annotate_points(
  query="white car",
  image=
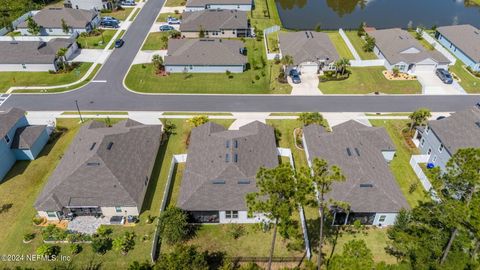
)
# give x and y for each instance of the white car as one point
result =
(172, 20)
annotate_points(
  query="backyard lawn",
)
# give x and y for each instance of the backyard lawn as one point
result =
(96, 42)
(156, 41)
(260, 78)
(9, 79)
(272, 41)
(340, 45)
(118, 14)
(357, 43)
(400, 165)
(470, 83)
(367, 80)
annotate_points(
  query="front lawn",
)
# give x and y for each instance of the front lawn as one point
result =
(121, 14)
(470, 83)
(156, 41)
(340, 45)
(163, 16)
(358, 43)
(96, 42)
(365, 80)
(400, 165)
(260, 78)
(10, 79)
(175, 3)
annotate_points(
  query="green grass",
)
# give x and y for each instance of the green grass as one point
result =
(135, 14)
(272, 40)
(197, 113)
(367, 80)
(357, 43)
(155, 41)
(163, 16)
(264, 14)
(387, 114)
(10, 79)
(118, 14)
(96, 42)
(422, 41)
(400, 165)
(175, 3)
(340, 45)
(142, 78)
(96, 113)
(470, 83)
(63, 89)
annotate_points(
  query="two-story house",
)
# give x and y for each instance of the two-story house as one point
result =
(18, 139)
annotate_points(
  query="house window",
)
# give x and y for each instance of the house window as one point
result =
(227, 144)
(50, 30)
(434, 159)
(429, 151)
(118, 209)
(235, 143)
(440, 149)
(422, 142)
(382, 218)
(24, 66)
(231, 214)
(7, 139)
(51, 214)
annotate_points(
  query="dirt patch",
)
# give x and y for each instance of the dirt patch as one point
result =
(400, 77)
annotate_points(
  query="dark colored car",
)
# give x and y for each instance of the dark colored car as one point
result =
(166, 28)
(295, 76)
(119, 43)
(109, 18)
(444, 75)
(109, 24)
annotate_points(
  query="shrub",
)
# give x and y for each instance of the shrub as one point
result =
(104, 231)
(257, 77)
(173, 225)
(236, 230)
(124, 243)
(412, 187)
(150, 218)
(37, 220)
(101, 245)
(48, 250)
(50, 71)
(75, 249)
(28, 237)
(53, 233)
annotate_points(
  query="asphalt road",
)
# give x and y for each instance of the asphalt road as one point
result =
(111, 95)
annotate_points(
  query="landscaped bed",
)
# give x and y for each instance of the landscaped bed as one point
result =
(96, 40)
(366, 80)
(11, 79)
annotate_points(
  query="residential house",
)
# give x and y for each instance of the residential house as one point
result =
(463, 41)
(34, 55)
(221, 169)
(18, 139)
(89, 4)
(215, 23)
(363, 154)
(205, 56)
(401, 50)
(104, 172)
(50, 21)
(195, 5)
(311, 51)
(441, 139)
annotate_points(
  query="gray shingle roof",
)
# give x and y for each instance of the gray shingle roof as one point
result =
(8, 120)
(307, 46)
(364, 165)
(25, 137)
(392, 42)
(460, 130)
(52, 18)
(213, 20)
(466, 37)
(32, 52)
(203, 3)
(207, 162)
(91, 174)
(205, 52)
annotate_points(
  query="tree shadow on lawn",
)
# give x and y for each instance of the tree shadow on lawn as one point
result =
(331, 235)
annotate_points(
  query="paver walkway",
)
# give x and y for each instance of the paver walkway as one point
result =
(87, 224)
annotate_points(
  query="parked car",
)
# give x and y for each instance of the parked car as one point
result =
(108, 18)
(128, 3)
(117, 220)
(295, 76)
(444, 75)
(109, 24)
(166, 28)
(119, 43)
(172, 20)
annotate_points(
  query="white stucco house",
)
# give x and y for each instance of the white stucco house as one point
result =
(195, 5)
(312, 52)
(34, 55)
(363, 154)
(401, 50)
(463, 41)
(50, 21)
(205, 56)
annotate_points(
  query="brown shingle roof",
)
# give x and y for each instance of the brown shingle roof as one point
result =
(25, 137)
(252, 146)
(213, 20)
(363, 164)
(52, 18)
(32, 52)
(203, 3)
(307, 46)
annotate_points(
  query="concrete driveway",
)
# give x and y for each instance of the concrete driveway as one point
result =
(90, 55)
(432, 85)
(308, 86)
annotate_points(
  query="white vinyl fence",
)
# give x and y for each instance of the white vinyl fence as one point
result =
(368, 63)
(270, 56)
(18, 21)
(414, 161)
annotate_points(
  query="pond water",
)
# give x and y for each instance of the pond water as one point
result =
(334, 14)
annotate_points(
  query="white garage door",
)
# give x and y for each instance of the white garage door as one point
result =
(423, 68)
(309, 68)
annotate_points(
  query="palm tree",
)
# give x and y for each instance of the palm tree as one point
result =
(61, 55)
(157, 61)
(342, 65)
(287, 60)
